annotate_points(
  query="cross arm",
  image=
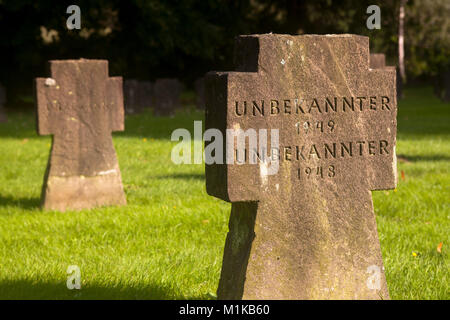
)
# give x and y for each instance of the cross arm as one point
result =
(47, 102)
(382, 172)
(232, 182)
(215, 118)
(114, 100)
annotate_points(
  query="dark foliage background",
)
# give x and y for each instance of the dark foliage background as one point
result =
(184, 39)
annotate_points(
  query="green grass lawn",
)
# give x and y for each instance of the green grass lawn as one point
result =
(168, 242)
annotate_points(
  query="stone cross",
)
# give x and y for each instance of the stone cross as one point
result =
(80, 106)
(442, 85)
(130, 96)
(309, 230)
(167, 96)
(138, 95)
(3, 117)
(377, 60)
(146, 98)
(199, 86)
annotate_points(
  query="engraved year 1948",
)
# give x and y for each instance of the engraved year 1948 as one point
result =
(316, 172)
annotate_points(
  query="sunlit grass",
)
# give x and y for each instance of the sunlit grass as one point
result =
(168, 242)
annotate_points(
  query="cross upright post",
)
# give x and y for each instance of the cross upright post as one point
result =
(309, 230)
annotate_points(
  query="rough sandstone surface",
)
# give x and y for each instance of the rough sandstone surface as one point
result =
(80, 105)
(377, 60)
(309, 231)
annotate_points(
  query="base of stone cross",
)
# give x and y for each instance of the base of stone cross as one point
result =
(3, 117)
(320, 250)
(79, 192)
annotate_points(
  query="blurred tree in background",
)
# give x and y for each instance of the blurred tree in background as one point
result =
(428, 37)
(184, 39)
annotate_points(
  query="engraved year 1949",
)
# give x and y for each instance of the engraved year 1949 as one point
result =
(321, 126)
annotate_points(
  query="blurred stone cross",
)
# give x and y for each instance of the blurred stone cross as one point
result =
(167, 93)
(377, 60)
(308, 231)
(80, 105)
(3, 117)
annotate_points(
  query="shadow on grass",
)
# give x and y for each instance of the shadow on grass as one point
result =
(160, 128)
(437, 157)
(182, 176)
(23, 203)
(24, 289)
(22, 124)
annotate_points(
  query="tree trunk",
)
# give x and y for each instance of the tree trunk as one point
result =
(401, 39)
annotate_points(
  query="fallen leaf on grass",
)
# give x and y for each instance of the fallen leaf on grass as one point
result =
(403, 175)
(439, 247)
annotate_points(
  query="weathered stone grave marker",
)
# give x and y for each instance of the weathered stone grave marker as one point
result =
(146, 98)
(377, 60)
(138, 95)
(167, 96)
(3, 117)
(131, 95)
(308, 231)
(80, 105)
(442, 85)
(199, 85)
